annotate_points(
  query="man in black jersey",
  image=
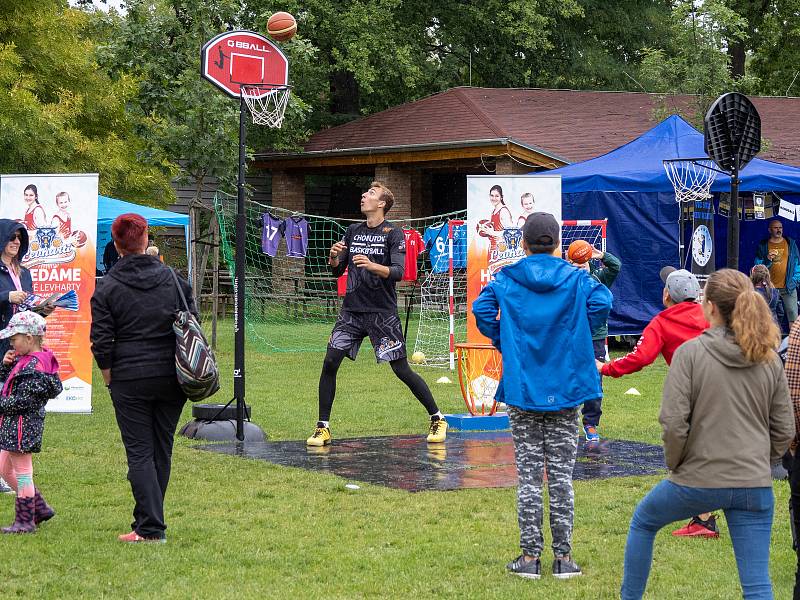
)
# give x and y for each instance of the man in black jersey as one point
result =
(374, 254)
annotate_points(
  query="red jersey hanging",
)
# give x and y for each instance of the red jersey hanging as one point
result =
(414, 245)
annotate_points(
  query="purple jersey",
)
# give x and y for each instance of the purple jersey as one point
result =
(271, 234)
(296, 234)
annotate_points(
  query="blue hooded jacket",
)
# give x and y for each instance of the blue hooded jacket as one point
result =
(8, 227)
(548, 310)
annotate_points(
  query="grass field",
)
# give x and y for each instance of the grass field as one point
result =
(247, 529)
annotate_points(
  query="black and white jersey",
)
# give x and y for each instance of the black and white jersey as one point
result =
(385, 245)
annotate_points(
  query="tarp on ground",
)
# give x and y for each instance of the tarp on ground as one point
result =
(629, 187)
(110, 208)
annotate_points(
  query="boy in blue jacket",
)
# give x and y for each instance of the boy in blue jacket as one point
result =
(547, 311)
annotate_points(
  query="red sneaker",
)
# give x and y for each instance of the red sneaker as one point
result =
(699, 528)
(133, 538)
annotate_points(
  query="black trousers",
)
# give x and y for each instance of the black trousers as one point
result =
(147, 414)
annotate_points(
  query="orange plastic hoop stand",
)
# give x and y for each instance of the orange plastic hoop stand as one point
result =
(480, 367)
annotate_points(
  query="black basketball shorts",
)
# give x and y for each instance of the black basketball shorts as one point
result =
(384, 331)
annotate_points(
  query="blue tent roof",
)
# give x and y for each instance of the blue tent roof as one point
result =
(637, 166)
(110, 208)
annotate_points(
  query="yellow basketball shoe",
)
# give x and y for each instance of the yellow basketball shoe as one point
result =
(321, 436)
(437, 432)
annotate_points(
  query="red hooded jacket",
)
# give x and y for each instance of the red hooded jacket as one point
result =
(669, 329)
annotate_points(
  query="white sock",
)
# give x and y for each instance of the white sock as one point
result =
(438, 414)
(324, 424)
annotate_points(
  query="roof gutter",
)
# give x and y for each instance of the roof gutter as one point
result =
(404, 148)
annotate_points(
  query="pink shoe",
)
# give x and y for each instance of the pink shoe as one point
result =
(134, 538)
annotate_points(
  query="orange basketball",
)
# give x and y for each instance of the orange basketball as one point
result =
(281, 26)
(579, 251)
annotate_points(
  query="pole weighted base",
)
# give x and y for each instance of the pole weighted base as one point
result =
(221, 431)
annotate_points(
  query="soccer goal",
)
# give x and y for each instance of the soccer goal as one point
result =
(443, 291)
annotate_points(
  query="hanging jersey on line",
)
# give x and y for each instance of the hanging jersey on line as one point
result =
(295, 230)
(436, 242)
(414, 246)
(271, 234)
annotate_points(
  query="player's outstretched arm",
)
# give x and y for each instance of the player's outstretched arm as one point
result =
(646, 351)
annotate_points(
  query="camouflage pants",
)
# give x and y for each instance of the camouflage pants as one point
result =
(545, 440)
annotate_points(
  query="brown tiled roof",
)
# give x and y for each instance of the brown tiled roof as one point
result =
(566, 124)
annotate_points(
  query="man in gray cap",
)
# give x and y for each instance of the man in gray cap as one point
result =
(681, 321)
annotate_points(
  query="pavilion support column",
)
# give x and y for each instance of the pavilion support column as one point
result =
(289, 190)
(288, 274)
(505, 165)
(400, 182)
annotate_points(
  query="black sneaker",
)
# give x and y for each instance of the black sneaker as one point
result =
(530, 569)
(564, 567)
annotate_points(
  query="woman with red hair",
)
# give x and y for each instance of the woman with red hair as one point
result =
(133, 308)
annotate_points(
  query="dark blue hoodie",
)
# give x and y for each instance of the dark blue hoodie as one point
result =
(548, 310)
(8, 227)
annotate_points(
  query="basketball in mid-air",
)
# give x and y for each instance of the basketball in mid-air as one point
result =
(281, 26)
(481, 224)
(579, 251)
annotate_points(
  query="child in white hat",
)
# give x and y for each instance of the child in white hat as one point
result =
(30, 374)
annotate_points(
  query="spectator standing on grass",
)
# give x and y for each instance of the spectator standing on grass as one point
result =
(606, 273)
(726, 416)
(779, 254)
(133, 310)
(546, 308)
(759, 275)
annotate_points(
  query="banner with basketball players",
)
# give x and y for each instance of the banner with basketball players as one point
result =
(497, 207)
(60, 214)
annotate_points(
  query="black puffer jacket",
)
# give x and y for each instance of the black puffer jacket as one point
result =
(22, 409)
(133, 308)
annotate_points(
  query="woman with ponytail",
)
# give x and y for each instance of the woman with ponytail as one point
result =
(726, 417)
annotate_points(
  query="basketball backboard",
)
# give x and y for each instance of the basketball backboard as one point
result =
(235, 58)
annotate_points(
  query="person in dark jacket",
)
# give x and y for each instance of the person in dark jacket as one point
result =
(606, 273)
(110, 256)
(30, 378)
(762, 281)
(15, 280)
(134, 345)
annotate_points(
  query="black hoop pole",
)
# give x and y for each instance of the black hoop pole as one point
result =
(238, 279)
(733, 220)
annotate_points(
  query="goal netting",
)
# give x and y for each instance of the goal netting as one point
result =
(291, 297)
(443, 310)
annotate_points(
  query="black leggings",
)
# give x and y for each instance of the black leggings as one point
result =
(327, 383)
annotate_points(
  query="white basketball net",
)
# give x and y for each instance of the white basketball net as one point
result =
(691, 178)
(267, 104)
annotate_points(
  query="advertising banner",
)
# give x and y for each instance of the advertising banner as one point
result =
(497, 206)
(60, 214)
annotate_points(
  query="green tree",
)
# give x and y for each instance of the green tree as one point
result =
(59, 113)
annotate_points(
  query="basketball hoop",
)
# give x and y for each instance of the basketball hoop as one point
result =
(480, 367)
(691, 178)
(267, 103)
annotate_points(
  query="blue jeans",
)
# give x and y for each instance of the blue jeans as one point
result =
(748, 512)
(593, 409)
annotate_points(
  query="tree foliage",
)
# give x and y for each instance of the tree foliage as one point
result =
(60, 113)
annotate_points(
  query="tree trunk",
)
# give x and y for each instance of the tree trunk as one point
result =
(736, 54)
(345, 98)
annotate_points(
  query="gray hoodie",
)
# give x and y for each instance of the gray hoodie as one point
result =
(725, 419)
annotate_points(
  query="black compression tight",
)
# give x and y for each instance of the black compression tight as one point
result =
(327, 383)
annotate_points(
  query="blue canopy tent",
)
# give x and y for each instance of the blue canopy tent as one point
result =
(630, 187)
(109, 209)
